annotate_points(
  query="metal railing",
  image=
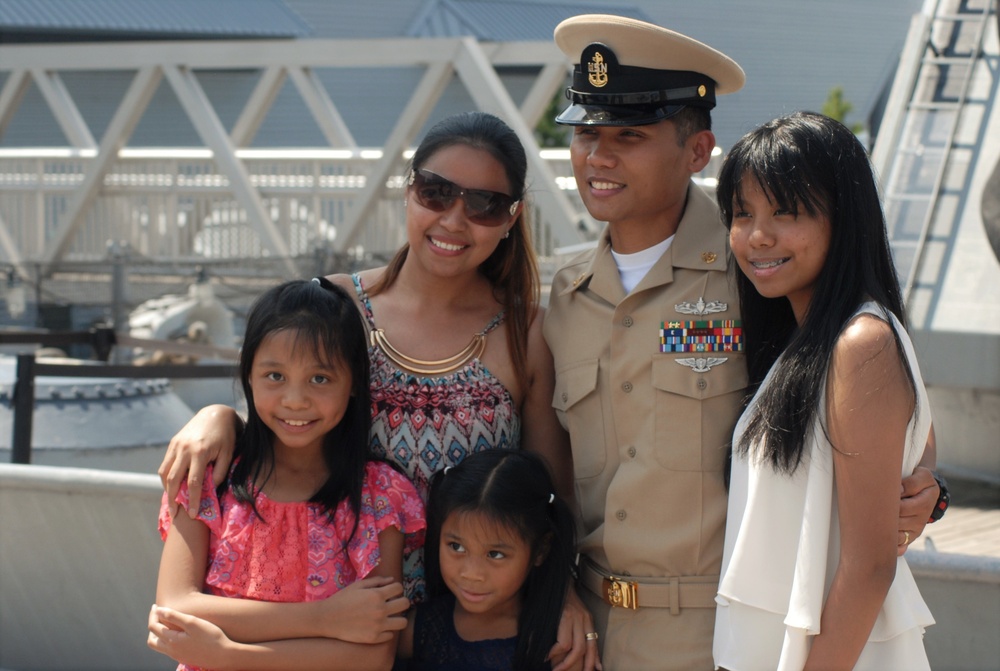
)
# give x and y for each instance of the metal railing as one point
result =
(177, 205)
(101, 340)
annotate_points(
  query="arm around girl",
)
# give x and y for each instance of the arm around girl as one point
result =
(305, 516)
(499, 546)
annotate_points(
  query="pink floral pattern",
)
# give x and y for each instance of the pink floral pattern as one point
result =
(294, 552)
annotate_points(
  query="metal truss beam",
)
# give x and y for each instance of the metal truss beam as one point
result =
(258, 105)
(549, 81)
(260, 54)
(213, 134)
(278, 61)
(414, 115)
(490, 95)
(322, 108)
(129, 111)
(11, 95)
(65, 110)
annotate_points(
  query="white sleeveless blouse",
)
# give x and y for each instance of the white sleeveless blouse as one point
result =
(782, 550)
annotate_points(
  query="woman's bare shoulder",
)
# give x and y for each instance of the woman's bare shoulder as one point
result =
(867, 356)
(865, 338)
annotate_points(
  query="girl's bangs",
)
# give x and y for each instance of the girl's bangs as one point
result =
(783, 173)
(491, 523)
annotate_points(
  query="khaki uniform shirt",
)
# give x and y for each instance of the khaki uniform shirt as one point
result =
(649, 430)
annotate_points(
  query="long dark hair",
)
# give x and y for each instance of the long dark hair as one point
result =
(511, 268)
(324, 317)
(513, 489)
(807, 161)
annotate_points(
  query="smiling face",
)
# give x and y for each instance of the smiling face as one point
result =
(483, 564)
(448, 242)
(780, 251)
(636, 178)
(297, 396)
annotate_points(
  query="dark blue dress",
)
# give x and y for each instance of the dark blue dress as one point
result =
(438, 647)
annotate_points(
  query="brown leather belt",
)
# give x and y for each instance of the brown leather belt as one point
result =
(670, 592)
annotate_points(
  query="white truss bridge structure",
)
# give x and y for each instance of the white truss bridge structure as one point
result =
(226, 199)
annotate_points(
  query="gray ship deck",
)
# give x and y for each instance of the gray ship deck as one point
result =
(972, 525)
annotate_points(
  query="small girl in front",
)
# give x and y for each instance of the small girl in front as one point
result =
(810, 573)
(304, 513)
(499, 548)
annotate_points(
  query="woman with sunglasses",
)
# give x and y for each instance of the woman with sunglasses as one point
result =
(458, 360)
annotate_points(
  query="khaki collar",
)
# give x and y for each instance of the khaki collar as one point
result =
(701, 243)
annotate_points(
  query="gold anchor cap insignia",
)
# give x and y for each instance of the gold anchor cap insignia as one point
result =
(597, 70)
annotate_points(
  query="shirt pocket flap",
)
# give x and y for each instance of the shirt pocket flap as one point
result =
(720, 378)
(573, 384)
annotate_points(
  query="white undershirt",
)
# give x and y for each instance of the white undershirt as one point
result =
(633, 267)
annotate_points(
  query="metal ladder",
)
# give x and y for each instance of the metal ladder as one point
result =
(920, 158)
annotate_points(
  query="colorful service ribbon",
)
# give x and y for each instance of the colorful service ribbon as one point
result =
(711, 335)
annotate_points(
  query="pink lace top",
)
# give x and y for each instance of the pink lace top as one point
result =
(294, 552)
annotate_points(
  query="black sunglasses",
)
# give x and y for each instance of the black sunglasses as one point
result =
(486, 208)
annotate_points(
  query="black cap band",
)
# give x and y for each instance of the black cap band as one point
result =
(599, 79)
(677, 96)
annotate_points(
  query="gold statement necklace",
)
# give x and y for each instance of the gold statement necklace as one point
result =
(471, 351)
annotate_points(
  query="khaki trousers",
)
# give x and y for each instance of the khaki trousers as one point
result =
(651, 639)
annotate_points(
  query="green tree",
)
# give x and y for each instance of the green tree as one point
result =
(548, 133)
(837, 107)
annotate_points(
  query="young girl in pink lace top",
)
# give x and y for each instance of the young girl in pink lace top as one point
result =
(305, 515)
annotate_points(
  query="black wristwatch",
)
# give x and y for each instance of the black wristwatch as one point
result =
(943, 500)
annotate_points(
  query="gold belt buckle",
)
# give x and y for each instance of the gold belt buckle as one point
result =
(621, 593)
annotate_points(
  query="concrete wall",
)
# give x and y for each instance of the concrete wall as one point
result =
(963, 593)
(79, 553)
(967, 426)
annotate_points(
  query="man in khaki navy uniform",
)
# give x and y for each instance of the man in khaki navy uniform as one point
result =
(647, 344)
(649, 416)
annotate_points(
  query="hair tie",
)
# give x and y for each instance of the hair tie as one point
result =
(323, 282)
(552, 498)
